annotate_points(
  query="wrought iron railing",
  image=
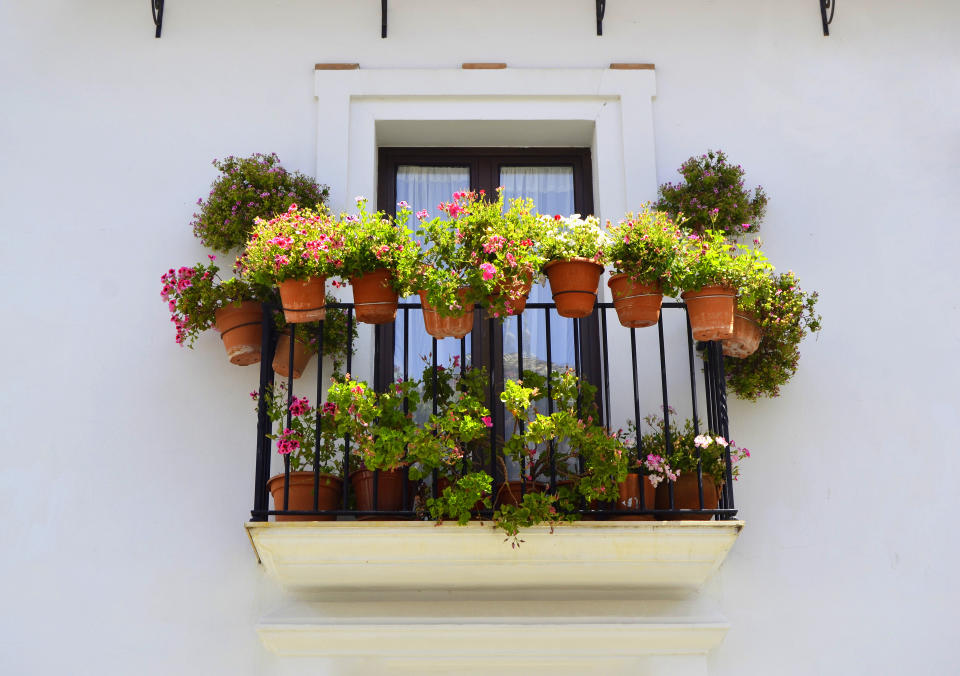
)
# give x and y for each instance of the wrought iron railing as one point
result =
(705, 370)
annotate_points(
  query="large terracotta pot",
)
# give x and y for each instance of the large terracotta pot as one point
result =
(304, 300)
(300, 497)
(375, 301)
(573, 284)
(711, 312)
(302, 352)
(456, 326)
(389, 489)
(629, 498)
(510, 492)
(686, 495)
(745, 339)
(241, 329)
(637, 305)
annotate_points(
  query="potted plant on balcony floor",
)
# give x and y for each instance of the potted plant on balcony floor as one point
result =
(574, 250)
(378, 252)
(296, 250)
(198, 300)
(297, 442)
(646, 252)
(673, 465)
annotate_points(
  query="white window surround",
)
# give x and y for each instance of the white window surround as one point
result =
(489, 107)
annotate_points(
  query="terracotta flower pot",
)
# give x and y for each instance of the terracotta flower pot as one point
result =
(510, 492)
(300, 497)
(711, 312)
(241, 329)
(389, 489)
(518, 306)
(637, 305)
(304, 300)
(573, 284)
(375, 301)
(745, 339)
(456, 326)
(302, 352)
(629, 499)
(686, 495)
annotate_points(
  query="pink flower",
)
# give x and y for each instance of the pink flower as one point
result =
(489, 272)
(211, 257)
(422, 214)
(299, 406)
(403, 204)
(487, 421)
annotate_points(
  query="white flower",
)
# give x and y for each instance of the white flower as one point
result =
(721, 441)
(702, 441)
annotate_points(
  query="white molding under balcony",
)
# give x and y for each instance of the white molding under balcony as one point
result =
(418, 555)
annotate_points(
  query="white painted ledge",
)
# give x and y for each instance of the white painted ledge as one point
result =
(417, 555)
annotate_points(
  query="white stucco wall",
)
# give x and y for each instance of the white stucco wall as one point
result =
(128, 462)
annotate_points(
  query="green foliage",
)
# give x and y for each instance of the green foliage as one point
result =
(299, 439)
(375, 240)
(712, 197)
(249, 188)
(686, 446)
(648, 246)
(786, 314)
(459, 501)
(709, 261)
(533, 510)
(335, 339)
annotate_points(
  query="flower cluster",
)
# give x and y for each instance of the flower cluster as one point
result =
(300, 243)
(299, 421)
(249, 188)
(712, 197)
(374, 240)
(673, 450)
(572, 237)
(648, 246)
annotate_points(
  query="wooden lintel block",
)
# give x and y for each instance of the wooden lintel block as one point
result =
(631, 66)
(336, 66)
(483, 66)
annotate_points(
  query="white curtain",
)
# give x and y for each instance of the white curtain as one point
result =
(425, 188)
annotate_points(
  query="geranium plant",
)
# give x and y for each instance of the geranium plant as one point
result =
(564, 238)
(374, 240)
(648, 247)
(298, 422)
(194, 294)
(249, 188)
(300, 243)
(709, 260)
(786, 314)
(712, 196)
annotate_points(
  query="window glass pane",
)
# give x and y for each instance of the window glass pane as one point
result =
(425, 188)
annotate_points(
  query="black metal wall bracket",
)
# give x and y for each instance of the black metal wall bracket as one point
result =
(824, 17)
(601, 10)
(383, 18)
(156, 6)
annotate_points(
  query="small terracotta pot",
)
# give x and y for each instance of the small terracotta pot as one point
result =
(512, 495)
(375, 301)
(300, 497)
(573, 284)
(745, 339)
(456, 326)
(637, 305)
(389, 489)
(630, 499)
(711, 312)
(304, 300)
(241, 329)
(302, 352)
(686, 495)
(520, 305)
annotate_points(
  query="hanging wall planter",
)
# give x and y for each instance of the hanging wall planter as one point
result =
(573, 284)
(456, 326)
(637, 305)
(711, 312)
(300, 496)
(745, 339)
(304, 300)
(302, 352)
(375, 301)
(241, 329)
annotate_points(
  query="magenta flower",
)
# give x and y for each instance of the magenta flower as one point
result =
(487, 421)
(489, 272)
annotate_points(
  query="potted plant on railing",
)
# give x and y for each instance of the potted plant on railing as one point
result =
(709, 277)
(378, 252)
(297, 441)
(199, 300)
(296, 250)
(249, 188)
(444, 277)
(712, 197)
(502, 251)
(574, 249)
(646, 251)
(677, 464)
(755, 282)
(785, 314)
(336, 342)
(380, 430)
